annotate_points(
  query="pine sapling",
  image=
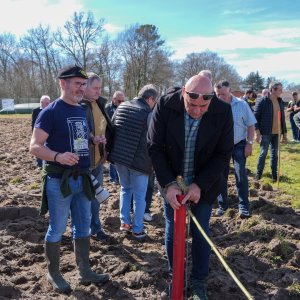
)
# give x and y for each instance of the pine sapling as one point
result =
(182, 184)
(101, 133)
(76, 169)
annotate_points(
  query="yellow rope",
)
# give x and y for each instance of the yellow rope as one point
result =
(218, 254)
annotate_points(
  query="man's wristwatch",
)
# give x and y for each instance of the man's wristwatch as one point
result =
(250, 142)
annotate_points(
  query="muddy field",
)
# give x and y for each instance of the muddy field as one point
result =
(263, 251)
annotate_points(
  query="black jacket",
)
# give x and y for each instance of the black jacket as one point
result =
(89, 113)
(110, 109)
(35, 113)
(263, 113)
(130, 136)
(214, 145)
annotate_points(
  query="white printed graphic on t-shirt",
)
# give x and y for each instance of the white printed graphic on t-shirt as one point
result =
(79, 129)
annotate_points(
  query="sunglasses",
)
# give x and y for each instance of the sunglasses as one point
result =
(195, 96)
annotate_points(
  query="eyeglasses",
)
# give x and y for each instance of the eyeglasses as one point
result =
(195, 96)
(78, 85)
(120, 101)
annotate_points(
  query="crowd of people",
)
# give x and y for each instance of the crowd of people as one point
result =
(193, 131)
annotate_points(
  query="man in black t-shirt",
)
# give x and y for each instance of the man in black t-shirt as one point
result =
(293, 108)
(62, 137)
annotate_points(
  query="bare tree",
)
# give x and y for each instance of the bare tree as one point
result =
(145, 57)
(207, 60)
(9, 63)
(79, 36)
(108, 64)
(39, 44)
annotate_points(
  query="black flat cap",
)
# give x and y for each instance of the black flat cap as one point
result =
(70, 71)
(294, 93)
(173, 89)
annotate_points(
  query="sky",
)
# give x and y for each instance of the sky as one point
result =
(254, 35)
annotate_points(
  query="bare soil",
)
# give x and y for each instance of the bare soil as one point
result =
(263, 251)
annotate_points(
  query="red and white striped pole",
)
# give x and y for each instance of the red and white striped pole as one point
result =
(178, 251)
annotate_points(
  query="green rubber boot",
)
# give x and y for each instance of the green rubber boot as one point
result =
(82, 254)
(53, 276)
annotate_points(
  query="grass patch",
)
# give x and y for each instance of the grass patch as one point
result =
(270, 208)
(15, 116)
(295, 290)
(286, 247)
(247, 225)
(229, 213)
(229, 252)
(15, 180)
(34, 186)
(134, 268)
(289, 168)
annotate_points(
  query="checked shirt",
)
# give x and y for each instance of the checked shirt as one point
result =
(243, 117)
(191, 131)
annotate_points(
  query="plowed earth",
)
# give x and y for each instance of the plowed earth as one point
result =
(263, 251)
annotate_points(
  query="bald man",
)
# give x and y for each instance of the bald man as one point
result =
(191, 134)
(264, 92)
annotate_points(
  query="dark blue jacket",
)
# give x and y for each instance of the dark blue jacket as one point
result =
(263, 113)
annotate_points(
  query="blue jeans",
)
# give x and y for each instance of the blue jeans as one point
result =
(39, 162)
(132, 183)
(239, 161)
(95, 205)
(149, 192)
(200, 248)
(77, 204)
(294, 128)
(113, 172)
(265, 141)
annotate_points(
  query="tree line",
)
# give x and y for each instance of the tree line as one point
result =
(256, 82)
(138, 56)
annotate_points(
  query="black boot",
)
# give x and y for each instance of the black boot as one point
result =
(82, 254)
(52, 259)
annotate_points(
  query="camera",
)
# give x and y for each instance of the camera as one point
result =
(101, 193)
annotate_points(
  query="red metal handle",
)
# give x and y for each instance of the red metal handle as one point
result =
(178, 251)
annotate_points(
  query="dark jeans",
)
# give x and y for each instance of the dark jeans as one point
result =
(39, 162)
(113, 174)
(265, 141)
(149, 192)
(95, 205)
(200, 248)
(239, 161)
(294, 128)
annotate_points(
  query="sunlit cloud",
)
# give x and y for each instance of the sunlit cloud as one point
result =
(25, 14)
(231, 40)
(243, 12)
(270, 65)
(111, 28)
(282, 33)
